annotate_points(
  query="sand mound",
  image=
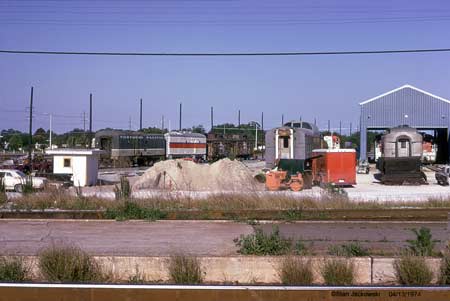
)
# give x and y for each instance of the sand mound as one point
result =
(223, 175)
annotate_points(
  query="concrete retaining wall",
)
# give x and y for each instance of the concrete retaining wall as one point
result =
(242, 269)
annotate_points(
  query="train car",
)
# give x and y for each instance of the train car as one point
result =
(334, 166)
(125, 148)
(185, 145)
(400, 161)
(229, 145)
(294, 140)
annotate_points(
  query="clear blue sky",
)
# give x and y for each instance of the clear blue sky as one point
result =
(326, 87)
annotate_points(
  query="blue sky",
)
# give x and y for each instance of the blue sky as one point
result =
(325, 87)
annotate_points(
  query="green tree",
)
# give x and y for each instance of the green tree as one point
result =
(15, 142)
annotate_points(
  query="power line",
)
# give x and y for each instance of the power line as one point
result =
(313, 53)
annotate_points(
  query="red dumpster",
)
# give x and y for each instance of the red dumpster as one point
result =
(334, 166)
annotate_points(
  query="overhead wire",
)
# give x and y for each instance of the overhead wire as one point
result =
(293, 53)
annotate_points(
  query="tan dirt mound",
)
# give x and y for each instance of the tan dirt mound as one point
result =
(223, 175)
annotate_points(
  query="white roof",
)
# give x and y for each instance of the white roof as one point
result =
(73, 152)
(403, 87)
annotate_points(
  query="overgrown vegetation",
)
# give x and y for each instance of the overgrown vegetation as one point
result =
(338, 272)
(293, 208)
(3, 198)
(14, 269)
(66, 263)
(185, 269)
(412, 270)
(132, 210)
(123, 190)
(260, 243)
(137, 277)
(295, 271)
(445, 269)
(27, 187)
(423, 245)
(352, 249)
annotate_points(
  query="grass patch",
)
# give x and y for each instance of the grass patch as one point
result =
(412, 270)
(14, 269)
(445, 269)
(338, 272)
(423, 245)
(352, 249)
(132, 210)
(295, 271)
(185, 270)
(260, 243)
(69, 264)
(138, 277)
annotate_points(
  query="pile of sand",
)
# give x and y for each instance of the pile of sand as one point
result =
(223, 175)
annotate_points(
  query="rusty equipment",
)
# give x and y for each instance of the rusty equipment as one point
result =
(293, 174)
(278, 180)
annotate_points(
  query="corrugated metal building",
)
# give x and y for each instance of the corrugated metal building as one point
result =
(411, 106)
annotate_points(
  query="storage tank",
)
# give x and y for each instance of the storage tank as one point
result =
(185, 145)
(401, 155)
(294, 140)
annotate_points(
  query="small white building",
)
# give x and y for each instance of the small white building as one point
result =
(82, 164)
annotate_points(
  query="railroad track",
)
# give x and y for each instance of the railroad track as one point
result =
(89, 292)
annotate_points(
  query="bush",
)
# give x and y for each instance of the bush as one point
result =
(353, 249)
(185, 270)
(445, 269)
(131, 210)
(338, 272)
(423, 245)
(295, 271)
(412, 270)
(13, 269)
(260, 243)
(123, 191)
(69, 264)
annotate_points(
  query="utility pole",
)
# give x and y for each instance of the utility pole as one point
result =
(350, 128)
(140, 116)
(212, 118)
(340, 128)
(256, 136)
(282, 119)
(262, 121)
(239, 118)
(181, 107)
(84, 121)
(50, 134)
(129, 123)
(315, 121)
(30, 132)
(90, 113)
(162, 123)
(329, 127)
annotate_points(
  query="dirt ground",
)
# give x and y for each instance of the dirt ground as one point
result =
(366, 189)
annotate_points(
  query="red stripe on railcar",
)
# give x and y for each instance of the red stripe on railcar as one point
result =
(187, 145)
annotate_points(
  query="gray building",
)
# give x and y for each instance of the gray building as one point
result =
(411, 106)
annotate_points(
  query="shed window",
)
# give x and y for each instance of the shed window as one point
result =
(67, 162)
(403, 144)
(286, 142)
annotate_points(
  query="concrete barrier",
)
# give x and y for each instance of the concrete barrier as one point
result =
(240, 269)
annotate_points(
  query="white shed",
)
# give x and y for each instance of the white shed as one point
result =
(82, 164)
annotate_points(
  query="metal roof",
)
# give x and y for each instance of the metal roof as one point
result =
(401, 88)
